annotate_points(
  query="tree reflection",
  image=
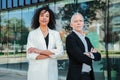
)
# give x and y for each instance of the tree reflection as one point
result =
(14, 32)
(87, 9)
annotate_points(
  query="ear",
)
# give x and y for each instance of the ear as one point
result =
(71, 25)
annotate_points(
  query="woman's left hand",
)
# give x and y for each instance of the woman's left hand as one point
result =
(46, 52)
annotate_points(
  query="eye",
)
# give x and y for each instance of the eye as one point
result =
(47, 15)
(75, 21)
(81, 20)
(41, 15)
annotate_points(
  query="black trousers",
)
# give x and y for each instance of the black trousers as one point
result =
(85, 76)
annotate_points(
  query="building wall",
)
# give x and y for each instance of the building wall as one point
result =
(15, 20)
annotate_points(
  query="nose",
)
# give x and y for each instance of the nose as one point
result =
(79, 23)
(43, 17)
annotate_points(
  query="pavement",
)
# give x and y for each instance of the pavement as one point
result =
(18, 71)
(11, 74)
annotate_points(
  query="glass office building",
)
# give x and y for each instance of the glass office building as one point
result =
(102, 26)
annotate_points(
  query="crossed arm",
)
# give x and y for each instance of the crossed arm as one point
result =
(43, 54)
(90, 54)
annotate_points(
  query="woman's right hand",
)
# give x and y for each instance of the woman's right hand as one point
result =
(39, 57)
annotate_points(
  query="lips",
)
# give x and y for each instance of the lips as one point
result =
(44, 21)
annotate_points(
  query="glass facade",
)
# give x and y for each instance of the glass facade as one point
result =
(102, 26)
(21, 2)
(3, 4)
(9, 4)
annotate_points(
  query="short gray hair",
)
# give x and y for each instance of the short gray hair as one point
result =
(74, 15)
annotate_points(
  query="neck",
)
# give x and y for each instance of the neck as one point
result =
(81, 32)
(44, 28)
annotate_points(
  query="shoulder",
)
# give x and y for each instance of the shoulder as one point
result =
(86, 38)
(33, 31)
(54, 32)
(71, 35)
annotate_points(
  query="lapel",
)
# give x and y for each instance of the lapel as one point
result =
(88, 44)
(79, 41)
(41, 39)
(51, 39)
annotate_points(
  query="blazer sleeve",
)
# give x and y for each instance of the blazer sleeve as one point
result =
(58, 50)
(75, 52)
(97, 56)
(30, 43)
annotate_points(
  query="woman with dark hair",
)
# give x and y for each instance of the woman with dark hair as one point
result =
(44, 45)
(35, 19)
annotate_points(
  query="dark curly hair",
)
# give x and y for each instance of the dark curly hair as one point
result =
(35, 19)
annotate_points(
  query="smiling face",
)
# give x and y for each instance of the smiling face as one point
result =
(44, 18)
(77, 22)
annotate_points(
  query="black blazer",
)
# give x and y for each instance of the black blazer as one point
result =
(75, 49)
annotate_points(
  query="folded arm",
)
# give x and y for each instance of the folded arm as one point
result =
(43, 54)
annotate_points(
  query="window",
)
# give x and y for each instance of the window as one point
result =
(21, 2)
(3, 4)
(0, 4)
(27, 2)
(15, 3)
(42, 0)
(9, 3)
(34, 1)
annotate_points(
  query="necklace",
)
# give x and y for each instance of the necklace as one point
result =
(44, 32)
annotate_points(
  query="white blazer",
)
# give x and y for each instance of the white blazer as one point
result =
(42, 69)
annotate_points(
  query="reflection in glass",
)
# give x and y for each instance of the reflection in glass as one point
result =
(42, 0)
(4, 4)
(0, 5)
(15, 3)
(21, 2)
(27, 2)
(15, 26)
(34, 1)
(9, 3)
